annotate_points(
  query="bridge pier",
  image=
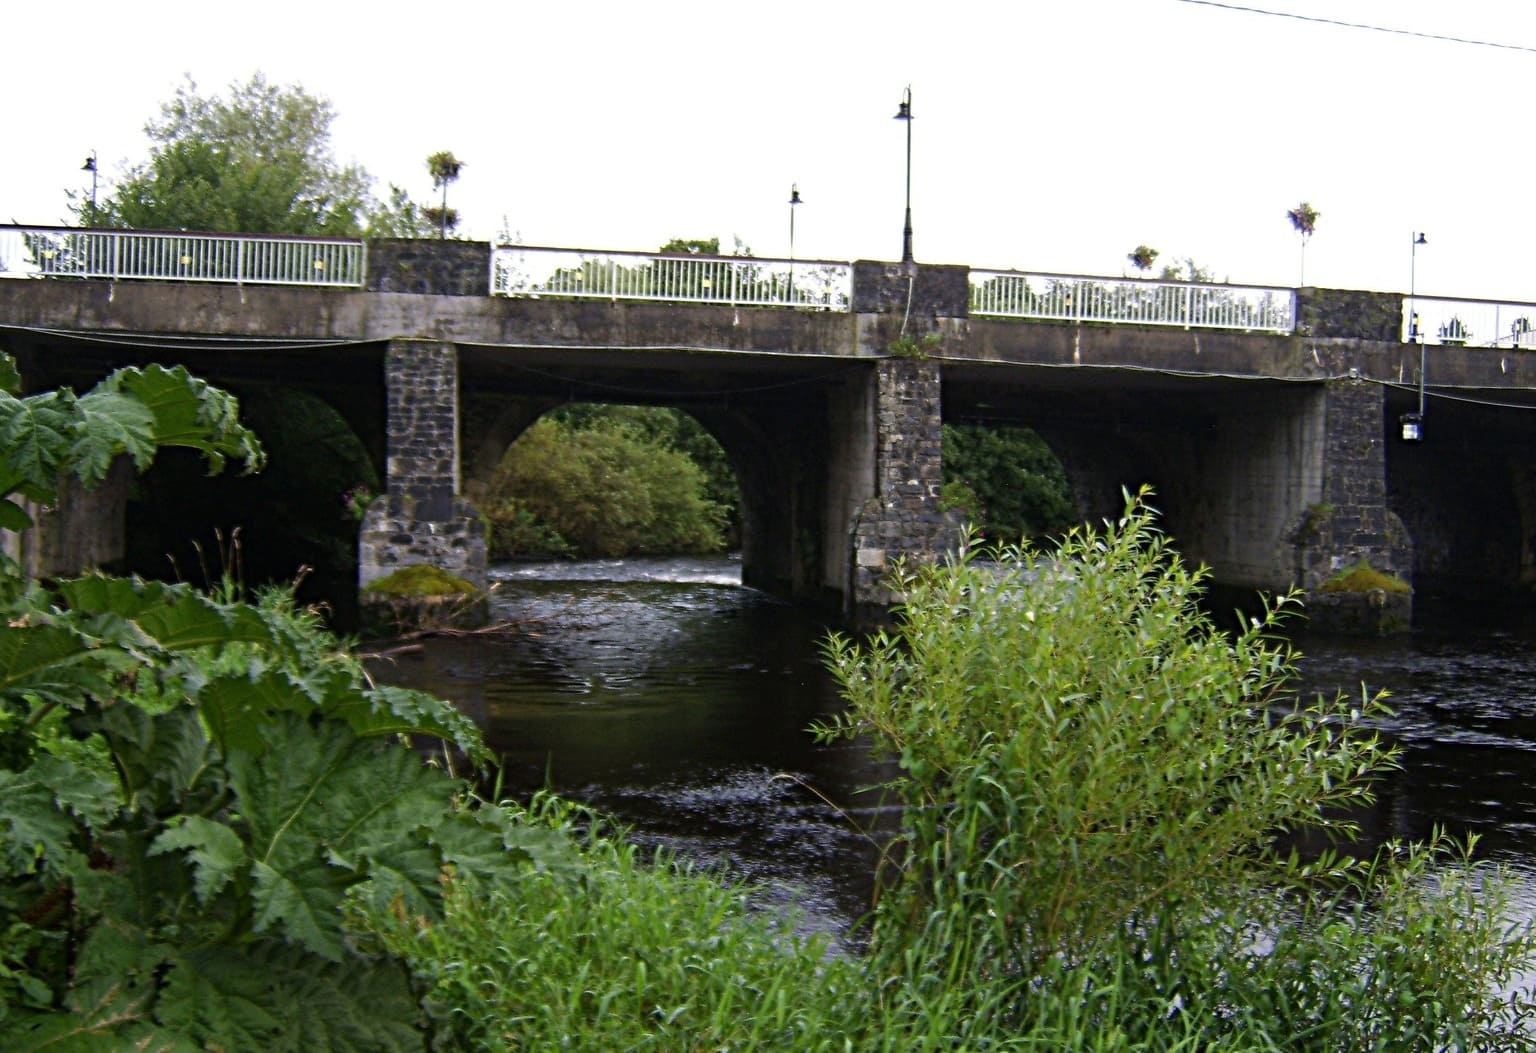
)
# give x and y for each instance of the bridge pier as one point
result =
(1353, 523)
(902, 521)
(83, 528)
(421, 519)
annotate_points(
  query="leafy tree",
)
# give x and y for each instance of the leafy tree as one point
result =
(258, 160)
(1304, 221)
(399, 217)
(444, 168)
(693, 246)
(1008, 480)
(603, 491)
(1187, 270)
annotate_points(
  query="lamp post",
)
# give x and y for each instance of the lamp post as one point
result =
(90, 166)
(1413, 423)
(904, 113)
(794, 199)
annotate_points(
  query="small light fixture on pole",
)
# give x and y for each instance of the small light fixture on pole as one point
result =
(794, 199)
(904, 113)
(90, 166)
(1413, 423)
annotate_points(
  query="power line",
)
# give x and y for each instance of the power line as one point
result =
(1360, 25)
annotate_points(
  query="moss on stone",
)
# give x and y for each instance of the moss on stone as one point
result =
(1362, 577)
(420, 579)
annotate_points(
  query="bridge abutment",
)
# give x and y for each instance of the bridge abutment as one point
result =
(421, 519)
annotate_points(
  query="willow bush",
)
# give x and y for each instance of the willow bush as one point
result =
(1101, 790)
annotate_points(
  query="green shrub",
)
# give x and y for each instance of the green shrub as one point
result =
(1020, 489)
(603, 491)
(1100, 788)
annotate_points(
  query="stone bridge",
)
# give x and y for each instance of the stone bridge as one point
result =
(1276, 458)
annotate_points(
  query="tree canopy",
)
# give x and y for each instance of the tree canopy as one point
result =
(257, 159)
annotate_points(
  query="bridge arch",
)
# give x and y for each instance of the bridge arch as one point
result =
(1467, 496)
(798, 434)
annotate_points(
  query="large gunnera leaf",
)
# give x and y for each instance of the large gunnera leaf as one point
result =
(274, 998)
(324, 809)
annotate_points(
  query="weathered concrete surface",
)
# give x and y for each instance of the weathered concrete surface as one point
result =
(1274, 458)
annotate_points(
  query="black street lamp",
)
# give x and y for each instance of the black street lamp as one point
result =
(1413, 423)
(904, 113)
(90, 166)
(794, 199)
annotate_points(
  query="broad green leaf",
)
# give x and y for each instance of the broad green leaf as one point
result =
(217, 853)
(35, 833)
(491, 843)
(86, 794)
(52, 663)
(320, 818)
(278, 999)
(13, 517)
(390, 710)
(174, 616)
(106, 594)
(165, 760)
(73, 1033)
(196, 620)
(409, 878)
(10, 376)
(35, 437)
(302, 903)
(110, 1002)
(110, 424)
(190, 412)
(236, 707)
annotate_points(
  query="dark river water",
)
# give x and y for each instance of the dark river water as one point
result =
(666, 694)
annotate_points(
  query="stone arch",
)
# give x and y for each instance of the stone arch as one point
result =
(293, 514)
(491, 423)
(1467, 496)
(777, 453)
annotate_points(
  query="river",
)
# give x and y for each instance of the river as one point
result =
(668, 695)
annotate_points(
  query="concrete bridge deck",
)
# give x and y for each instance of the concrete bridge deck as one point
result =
(1276, 457)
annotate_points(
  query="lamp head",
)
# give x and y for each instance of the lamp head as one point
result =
(794, 194)
(904, 111)
(90, 164)
(1419, 239)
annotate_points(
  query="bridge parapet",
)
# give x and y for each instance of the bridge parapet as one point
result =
(1135, 301)
(180, 256)
(536, 271)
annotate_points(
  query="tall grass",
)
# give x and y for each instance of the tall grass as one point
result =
(635, 952)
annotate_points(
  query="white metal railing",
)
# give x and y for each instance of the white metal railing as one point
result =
(1470, 323)
(518, 270)
(1138, 301)
(253, 259)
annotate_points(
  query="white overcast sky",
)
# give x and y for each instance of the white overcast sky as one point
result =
(1050, 136)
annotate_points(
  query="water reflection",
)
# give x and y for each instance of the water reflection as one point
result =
(665, 693)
